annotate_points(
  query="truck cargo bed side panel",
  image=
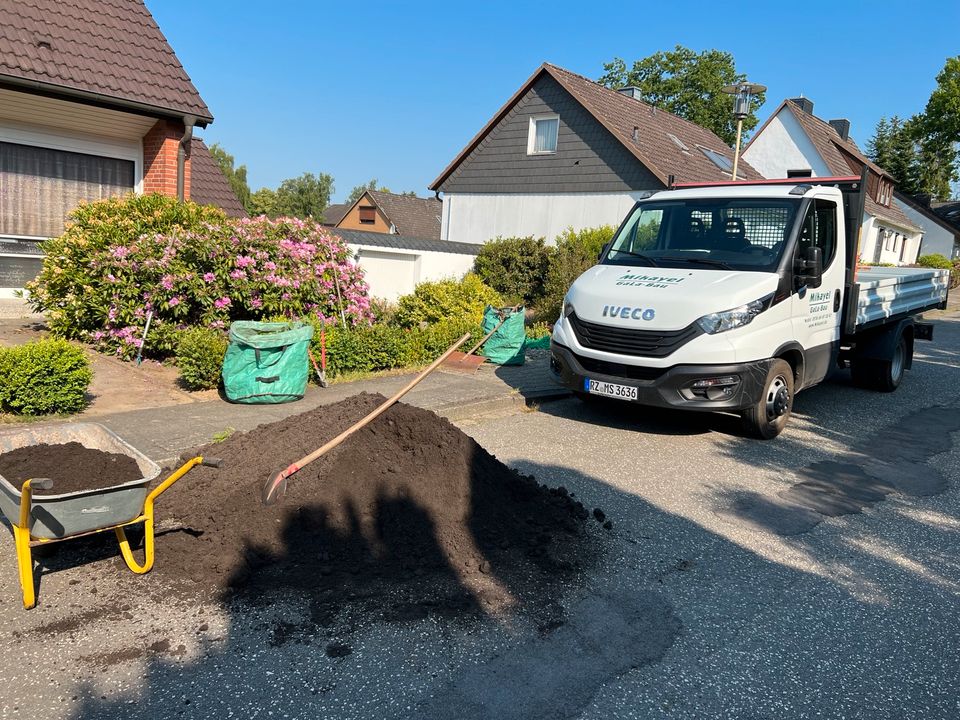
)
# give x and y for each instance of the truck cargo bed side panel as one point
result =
(885, 293)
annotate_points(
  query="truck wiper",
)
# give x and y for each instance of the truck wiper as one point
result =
(631, 253)
(702, 261)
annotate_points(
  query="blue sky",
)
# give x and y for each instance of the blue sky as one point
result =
(395, 90)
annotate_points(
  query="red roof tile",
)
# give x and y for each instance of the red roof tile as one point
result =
(112, 49)
(208, 185)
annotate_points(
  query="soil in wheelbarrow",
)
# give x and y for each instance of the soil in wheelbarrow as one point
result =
(409, 517)
(71, 466)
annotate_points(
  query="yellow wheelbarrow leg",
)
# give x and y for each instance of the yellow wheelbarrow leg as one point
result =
(148, 515)
(21, 538)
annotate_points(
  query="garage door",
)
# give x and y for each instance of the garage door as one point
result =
(389, 275)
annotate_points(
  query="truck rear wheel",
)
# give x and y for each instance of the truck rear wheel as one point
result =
(882, 375)
(769, 416)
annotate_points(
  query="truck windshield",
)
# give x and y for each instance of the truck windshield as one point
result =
(724, 233)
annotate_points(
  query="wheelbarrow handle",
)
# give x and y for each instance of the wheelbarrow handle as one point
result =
(41, 483)
(211, 462)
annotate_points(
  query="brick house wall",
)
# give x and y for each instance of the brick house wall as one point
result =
(160, 147)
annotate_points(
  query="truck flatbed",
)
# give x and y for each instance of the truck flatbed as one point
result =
(889, 292)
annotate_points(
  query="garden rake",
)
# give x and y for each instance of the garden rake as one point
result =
(467, 363)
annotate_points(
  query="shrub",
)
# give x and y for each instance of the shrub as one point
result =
(199, 357)
(434, 301)
(515, 267)
(538, 330)
(42, 377)
(190, 265)
(935, 260)
(576, 251)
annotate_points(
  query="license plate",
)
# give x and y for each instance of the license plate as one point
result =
(598, 387)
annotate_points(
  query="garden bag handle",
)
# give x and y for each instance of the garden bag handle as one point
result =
(276, 487)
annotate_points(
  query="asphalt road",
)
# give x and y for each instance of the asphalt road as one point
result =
(815, 576)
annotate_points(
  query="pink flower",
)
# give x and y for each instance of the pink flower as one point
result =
(167, 282)
(209, 277)
(245, 261)
(120, 252)
(221, 302)
(237, 274)
(173, 302)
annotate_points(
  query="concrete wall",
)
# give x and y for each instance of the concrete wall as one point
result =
(783, 146)
(392, 272)
(936, 239)
(476, 218)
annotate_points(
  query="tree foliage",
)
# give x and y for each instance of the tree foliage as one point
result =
(515, 267)
(921, 153)
(372, 185)
(303, 197)
(235, 175)
(576, 251)
(688, 84)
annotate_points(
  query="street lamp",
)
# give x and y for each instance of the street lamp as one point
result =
(741, 108)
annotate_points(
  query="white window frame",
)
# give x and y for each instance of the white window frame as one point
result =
(532, 135)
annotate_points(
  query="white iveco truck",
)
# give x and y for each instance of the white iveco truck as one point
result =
(735, 296)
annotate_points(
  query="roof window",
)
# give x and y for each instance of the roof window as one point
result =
(678, 142)
(721, 161)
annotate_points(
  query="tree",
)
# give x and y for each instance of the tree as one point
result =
(361, 189)
(938, 131)
(264, 202)
(306, 196)
(687, 84)
(235, 175)
(894, 147)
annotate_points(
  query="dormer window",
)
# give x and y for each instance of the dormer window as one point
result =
(542, 138)
(718, 159)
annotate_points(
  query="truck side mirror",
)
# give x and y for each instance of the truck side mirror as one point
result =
(808, 267)
(603, 250)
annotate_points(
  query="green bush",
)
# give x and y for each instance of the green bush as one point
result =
(43, 377)
(576, 251)
(199, 357)
(537, 330)
(935, 260)
(435, 301)
(515, 267)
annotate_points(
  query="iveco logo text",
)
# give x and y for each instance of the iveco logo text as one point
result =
(628, 313)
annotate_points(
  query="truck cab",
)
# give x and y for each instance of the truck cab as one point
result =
(731, 297)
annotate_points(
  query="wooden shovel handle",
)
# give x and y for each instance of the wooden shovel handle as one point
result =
(307, 459)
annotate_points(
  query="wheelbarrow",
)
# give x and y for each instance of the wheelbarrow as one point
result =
(46, 519)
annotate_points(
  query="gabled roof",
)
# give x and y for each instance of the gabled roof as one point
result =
(409, 215)
(102, 51)
(404, 242)
(842, 157)
(931, 213)
(619, 114)
(949, 211)
(208, 185)
(332, 214)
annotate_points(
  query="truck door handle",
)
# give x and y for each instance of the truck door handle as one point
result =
(836, 300)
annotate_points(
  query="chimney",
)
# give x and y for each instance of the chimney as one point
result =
(633, 92)
(842, 127)
(806, 104)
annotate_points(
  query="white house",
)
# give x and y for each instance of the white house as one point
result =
(564, 152)
(794, 142)
(939, 236)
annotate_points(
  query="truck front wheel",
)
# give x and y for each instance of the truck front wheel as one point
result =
(769, 416)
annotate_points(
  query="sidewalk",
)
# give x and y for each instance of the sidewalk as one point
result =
(163, 433)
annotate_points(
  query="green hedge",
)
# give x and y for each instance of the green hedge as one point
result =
(935, 260)
(575, 252)
(199, 357)
(515, 267)
(432, 302)
(43, 377)
(385, 347)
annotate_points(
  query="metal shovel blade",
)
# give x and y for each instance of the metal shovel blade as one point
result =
(463, 363)
(274, 489)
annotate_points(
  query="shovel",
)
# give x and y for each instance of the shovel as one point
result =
(276, 487)
(320, 370)
(467, 363)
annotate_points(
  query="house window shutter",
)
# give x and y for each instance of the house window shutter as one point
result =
(368, 214)
(39, 187)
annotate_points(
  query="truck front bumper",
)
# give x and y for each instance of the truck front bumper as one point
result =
(688, 387)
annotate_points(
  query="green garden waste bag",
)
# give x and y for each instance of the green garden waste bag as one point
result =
(505, 346)
(266, 362)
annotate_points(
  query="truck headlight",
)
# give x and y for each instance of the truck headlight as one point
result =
(736, 317)
(567, 308)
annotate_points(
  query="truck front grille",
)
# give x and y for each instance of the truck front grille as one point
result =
(627, 341)
(633, 372)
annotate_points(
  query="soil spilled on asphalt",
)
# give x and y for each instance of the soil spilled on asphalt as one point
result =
(409, 517)
(71, 466)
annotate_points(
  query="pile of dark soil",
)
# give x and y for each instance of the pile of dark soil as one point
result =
(407, 517)
(71, 466)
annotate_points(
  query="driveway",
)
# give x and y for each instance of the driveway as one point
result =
(817, 575)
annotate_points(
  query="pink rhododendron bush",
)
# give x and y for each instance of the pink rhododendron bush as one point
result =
(193, 267)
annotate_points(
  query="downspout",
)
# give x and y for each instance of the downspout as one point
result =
(183, 152)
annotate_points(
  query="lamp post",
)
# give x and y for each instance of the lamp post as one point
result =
(741, 108)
